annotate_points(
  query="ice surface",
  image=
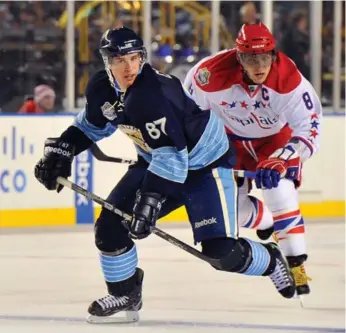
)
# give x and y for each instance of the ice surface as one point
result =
(50, 276)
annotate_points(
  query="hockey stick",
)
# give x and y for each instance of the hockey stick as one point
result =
(158, 232)
(101, 156)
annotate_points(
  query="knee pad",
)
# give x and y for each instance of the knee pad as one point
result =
(110, 235)
(234, 254)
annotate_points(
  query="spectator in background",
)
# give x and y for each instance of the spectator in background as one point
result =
(248, 13)
(6, 17)
(295, 43)
(42, 101)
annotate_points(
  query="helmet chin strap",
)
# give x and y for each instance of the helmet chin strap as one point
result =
(111, 78)
(247, 78)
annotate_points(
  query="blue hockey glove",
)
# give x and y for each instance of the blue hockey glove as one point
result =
(283, 163)
(145, 213)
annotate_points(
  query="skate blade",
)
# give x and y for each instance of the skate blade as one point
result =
(127, 317)
(301, 299)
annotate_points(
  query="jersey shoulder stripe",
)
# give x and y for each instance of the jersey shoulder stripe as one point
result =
(284, 76)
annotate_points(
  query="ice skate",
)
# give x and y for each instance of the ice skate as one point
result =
(281, 275)
(300, 277)
(118, 308)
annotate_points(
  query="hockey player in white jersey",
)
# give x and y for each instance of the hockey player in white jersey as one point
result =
(273, 116)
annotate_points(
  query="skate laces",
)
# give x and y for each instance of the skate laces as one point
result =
(300, 277)
(111, 301)
(280, 277)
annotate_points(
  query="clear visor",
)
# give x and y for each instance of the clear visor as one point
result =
(261, 59)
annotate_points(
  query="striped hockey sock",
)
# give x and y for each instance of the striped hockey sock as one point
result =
(119, 268)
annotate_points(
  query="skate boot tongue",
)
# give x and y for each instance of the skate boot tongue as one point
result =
(301, 280)
(300, 277)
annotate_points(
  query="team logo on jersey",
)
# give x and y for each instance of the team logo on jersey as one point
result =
(108, 110)
(263, 122)
(203, 76)
(135, 135)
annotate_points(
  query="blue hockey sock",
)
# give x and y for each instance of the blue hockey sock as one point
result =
(260, 259)
(119, 268)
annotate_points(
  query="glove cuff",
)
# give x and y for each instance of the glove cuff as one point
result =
(286, 153)
(58, 147)
(302, 146)
(152, 199)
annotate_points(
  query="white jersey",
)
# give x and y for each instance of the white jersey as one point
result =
(285, 98)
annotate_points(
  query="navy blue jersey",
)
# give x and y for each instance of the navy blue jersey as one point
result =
(168, 128)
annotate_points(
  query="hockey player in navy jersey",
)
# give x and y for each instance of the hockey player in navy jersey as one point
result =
(184, 158)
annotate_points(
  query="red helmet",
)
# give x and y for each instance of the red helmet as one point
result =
(255, 38)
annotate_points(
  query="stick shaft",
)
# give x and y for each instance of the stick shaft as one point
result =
(101, 156)
(158, 232)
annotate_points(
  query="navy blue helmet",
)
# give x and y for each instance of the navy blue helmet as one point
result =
(121, 41)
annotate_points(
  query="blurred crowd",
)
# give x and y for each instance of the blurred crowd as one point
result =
(32, 35)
